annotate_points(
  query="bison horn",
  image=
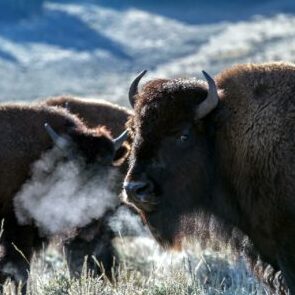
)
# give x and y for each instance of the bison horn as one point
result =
(67, 107)
(211, 101)
(120, 139)
(133, 90)
(60, 141)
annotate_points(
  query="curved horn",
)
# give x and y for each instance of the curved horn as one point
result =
(60, 141)
(120, 139)
(66, 106)
(133, 90)
(211, 101)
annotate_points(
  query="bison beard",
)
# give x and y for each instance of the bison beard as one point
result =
(223, 155)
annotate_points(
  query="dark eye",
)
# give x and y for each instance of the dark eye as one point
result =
(184, 137)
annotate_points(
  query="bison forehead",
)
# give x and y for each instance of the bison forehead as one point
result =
(163, 104)
(183, 84)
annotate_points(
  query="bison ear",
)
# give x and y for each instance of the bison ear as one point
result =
(121, 154)
(133, 90)
(211, 101)
(59, 140)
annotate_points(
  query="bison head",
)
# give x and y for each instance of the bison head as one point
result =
(172, 170)
(92, 145)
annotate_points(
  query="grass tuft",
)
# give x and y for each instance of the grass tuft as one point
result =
(145, 270)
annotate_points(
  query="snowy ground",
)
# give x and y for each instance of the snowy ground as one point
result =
(90, 49)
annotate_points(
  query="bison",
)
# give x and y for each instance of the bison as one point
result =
(222, 148)
(27, 132)
(95, 239)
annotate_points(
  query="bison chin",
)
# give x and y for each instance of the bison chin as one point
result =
(171, 229)
(170, 224)
(165, 228)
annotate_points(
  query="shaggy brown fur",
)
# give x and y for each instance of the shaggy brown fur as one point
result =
(237, 164)
(24, 140)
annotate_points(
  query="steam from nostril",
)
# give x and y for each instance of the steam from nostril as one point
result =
(61, 195)
(126, 222)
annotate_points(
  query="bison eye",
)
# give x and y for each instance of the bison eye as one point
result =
(184, 137)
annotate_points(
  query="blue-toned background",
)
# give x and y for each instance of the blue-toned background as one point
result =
(94, 48)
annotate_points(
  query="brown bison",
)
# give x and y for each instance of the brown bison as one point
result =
(225, 149)
(95, 238)
(27, 132)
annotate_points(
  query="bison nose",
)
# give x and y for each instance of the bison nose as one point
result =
(139, 191)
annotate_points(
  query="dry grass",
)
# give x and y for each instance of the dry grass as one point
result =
(145, 270)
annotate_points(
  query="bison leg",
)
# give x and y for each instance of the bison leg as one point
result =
(99, 253)
(95, 242)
